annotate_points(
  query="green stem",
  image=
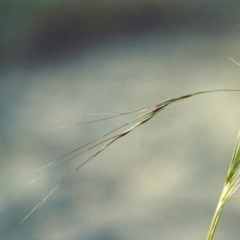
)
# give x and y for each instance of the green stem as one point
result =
(217, 214)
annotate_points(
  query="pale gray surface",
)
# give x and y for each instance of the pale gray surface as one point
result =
(160, 182)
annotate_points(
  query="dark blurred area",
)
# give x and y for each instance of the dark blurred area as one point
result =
(35, 31)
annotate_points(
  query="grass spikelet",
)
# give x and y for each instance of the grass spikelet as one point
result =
(103, 142)
(231, 184)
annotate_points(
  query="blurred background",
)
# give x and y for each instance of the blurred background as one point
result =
(61, 61)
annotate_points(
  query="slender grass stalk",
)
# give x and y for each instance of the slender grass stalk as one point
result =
(231, 184)
(103, 142)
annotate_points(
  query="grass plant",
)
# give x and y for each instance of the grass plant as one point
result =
(231, 184)
(232, 181)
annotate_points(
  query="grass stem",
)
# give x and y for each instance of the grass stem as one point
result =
(230, 186)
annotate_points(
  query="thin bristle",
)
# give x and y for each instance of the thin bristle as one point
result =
(106, 142)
